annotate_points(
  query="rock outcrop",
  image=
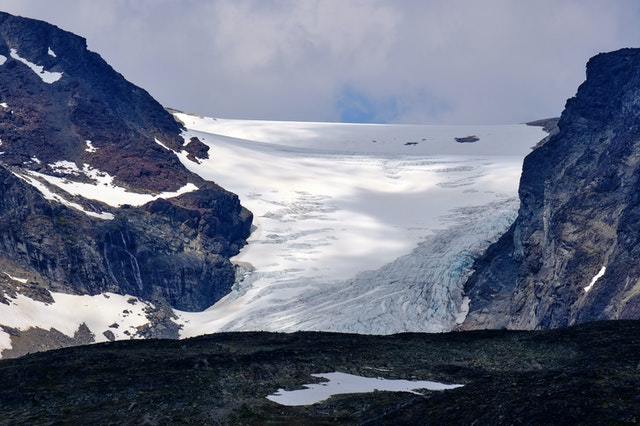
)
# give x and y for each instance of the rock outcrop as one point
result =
(52, 121)
(571, 256)
(173, 250)
(66, 114)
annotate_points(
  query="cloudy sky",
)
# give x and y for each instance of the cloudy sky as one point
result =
(420, 61)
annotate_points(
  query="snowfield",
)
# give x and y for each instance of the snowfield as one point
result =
(359, 228)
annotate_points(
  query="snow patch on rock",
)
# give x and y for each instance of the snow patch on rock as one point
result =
(51, 196)
(90, 147)
(342, 383)
(595, 279)
(20, 280)
(69, 311)
(103, 190)
(48, 77)
(161, 144)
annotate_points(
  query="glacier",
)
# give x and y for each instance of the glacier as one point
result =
(356, 231)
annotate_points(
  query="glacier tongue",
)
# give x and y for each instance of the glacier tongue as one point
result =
(420, 291)
(361, 241)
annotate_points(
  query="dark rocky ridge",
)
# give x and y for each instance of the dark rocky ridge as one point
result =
(574, 376)
(174, 251)
(580, 211)
(90, 102)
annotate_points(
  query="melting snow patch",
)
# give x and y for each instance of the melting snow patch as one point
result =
(342, 383)
(57, 198)
(103, 189)
(46, 76)
(35, 160)
(4, 105)
(162, 145)
(20, 280)
(50, 52)
(90, 147)
(595, 278)
(3, 59)
(69, 311)
(65, 167)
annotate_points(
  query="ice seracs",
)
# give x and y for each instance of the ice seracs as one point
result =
(48, 77)
(3, 59)
(342, 383)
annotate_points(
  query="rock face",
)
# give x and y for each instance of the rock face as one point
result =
(571, 256)
(90, 101)
(75, 109)
(167, 250)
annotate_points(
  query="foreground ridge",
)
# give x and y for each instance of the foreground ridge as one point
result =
(573, 375)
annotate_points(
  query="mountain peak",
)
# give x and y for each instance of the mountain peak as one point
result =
(59, 95)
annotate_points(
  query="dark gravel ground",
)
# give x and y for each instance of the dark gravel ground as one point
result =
(587, 374)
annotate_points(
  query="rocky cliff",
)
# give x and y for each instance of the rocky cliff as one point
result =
(571, 256)
(93, 198)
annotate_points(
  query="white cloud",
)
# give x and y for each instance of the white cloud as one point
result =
(455, 61)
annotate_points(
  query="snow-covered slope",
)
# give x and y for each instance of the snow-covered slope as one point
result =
(118, 314)
(356, 230)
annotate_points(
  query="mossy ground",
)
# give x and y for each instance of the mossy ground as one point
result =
(585, 374)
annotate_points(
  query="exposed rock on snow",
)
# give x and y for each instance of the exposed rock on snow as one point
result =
(468, 139)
